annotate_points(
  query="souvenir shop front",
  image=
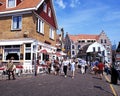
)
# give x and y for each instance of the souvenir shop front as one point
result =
(24, 51)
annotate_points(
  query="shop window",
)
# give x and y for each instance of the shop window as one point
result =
(27, 56)
(11, 51)
(28, 51)
(14, 55)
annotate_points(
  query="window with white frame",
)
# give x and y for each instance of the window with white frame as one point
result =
(93, 49)
(28, 51)
(44, 7)
(49, 12)
(73, 47)
(16, 22)
(11, 3)
(73, 52)
(51, 33)
(40, 26)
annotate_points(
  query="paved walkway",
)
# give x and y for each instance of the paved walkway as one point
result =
(51, 85)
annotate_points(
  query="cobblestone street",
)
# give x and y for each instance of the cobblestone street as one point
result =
(51, 85)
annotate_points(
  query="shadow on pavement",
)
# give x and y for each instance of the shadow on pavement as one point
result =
(99, 87)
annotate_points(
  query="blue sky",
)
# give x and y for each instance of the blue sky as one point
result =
(89, 17)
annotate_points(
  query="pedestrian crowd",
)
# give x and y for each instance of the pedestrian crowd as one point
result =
(62, 66)
(58, 67)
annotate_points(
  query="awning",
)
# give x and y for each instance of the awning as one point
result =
(43, 51)
(62, 53)
(11, 43)
(58, 53)
(15, 41)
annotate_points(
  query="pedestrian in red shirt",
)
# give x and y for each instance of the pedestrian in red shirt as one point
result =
(100, 69)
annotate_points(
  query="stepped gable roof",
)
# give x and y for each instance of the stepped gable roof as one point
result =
(24, 4)
(83, 37)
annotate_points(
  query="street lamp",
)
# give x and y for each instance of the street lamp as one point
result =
(35, 58)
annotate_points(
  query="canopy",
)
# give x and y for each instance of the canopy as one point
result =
(44, 51)
(58, 53)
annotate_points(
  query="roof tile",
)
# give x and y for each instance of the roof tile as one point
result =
(22, 5)
(83, 37)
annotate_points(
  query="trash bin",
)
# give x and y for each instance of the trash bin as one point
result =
(114, 76)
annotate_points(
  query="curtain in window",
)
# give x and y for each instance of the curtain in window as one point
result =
(17, 24)
(11, 3)
(40, 26)
(14, 22)
(51, 33)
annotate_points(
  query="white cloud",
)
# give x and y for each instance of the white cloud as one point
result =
(74, 3)
(61, 3)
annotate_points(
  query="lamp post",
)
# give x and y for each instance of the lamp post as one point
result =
(35, 58)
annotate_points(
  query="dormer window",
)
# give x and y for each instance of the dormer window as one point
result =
(11, 3)
(44, 7)
(49, 12)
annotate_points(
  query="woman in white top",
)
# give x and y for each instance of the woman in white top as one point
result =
(65, 65)
(73, 68)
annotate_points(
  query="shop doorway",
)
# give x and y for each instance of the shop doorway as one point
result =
(45, 57)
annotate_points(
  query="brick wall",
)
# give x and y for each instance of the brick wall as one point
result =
(28, 26)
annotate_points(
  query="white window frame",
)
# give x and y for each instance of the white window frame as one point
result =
(16, 25)
(51, 33)
(27, 51)
(45, 7)
(49, 12)
(11, 3)
(40, 26)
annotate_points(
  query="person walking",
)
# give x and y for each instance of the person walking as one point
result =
(49, 66)
(57, 67)
(83, 66)
(65, 66)
(11, 69)
(72, 67)
(100, 69)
